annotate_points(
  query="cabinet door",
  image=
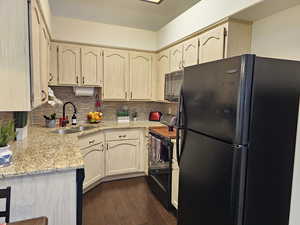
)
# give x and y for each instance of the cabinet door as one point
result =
(44, 62)
(176, 55)
(122, 157)
(94, 164)
(190, 52)
(35, 55)
(92, 66)
(212, 45)
(53, 74)
(163, 67)
(69, 65)
(140, 76)
(175, 187)
(116, 71)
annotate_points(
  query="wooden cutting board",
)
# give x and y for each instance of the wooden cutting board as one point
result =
(164, 131)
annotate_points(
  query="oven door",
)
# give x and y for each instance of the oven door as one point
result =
(160, 168)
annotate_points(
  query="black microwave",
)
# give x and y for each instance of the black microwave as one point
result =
(173, 83)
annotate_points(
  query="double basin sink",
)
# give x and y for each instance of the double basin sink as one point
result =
(72, 130)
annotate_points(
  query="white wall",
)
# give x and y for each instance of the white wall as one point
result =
(75, 30)
(47, 12)
(201, 15)
(278, 36)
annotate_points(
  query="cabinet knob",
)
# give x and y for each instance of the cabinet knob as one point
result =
(44, 95)
(50, 77)
(91, 142)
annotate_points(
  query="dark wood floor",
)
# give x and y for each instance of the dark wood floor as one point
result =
(127, 202)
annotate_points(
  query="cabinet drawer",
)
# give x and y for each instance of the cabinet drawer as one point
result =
(122, 135)
(90, 140)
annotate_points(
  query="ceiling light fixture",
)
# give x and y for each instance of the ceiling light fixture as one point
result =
(153, 1)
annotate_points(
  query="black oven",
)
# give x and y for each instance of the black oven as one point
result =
(160, 168)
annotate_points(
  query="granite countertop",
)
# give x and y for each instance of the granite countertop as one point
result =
(44, 152)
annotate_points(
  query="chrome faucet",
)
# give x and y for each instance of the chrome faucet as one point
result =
(64, 119)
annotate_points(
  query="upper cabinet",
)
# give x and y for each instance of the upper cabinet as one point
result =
(36, 34)
(212, 45)
(69, 65)
(40, 44)
(140, 76)
(44, 53)
(75, 65)
(92, 66)
(190, 52)
(176, 57)
(227, 40)
(116, 73)
(53, 73)
(163, 67)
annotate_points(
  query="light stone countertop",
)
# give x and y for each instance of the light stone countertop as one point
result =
(45, 152)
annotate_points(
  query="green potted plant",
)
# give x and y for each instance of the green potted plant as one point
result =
(7, 134)
(50, 120)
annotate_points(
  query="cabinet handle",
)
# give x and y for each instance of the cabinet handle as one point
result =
(45, 95)
(83, 80)
(180, 65)
(77, 79)
(131, 95)
(107, 147)
(91, 142)
(122, 136)
(51, 77)
(126, 94)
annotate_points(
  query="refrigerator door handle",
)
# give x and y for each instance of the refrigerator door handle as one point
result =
(238, 183)
(182, 126)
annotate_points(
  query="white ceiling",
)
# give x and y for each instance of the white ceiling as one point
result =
(130, 13)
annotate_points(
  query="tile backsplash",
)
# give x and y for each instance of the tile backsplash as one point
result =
(4, 116)
(87, 104)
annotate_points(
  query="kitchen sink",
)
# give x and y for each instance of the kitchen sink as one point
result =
(72, 130)
(82, 128)
(65, 131)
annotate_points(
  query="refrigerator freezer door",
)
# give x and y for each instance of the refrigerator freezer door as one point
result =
(216, 98)
(210, 189)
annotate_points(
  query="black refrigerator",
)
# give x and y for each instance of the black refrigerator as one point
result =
(236, 141)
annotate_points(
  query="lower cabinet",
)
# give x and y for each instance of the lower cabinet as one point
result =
(175, 178)
(110, 153)
(122, 157)
(175, 187)
(94, 161)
